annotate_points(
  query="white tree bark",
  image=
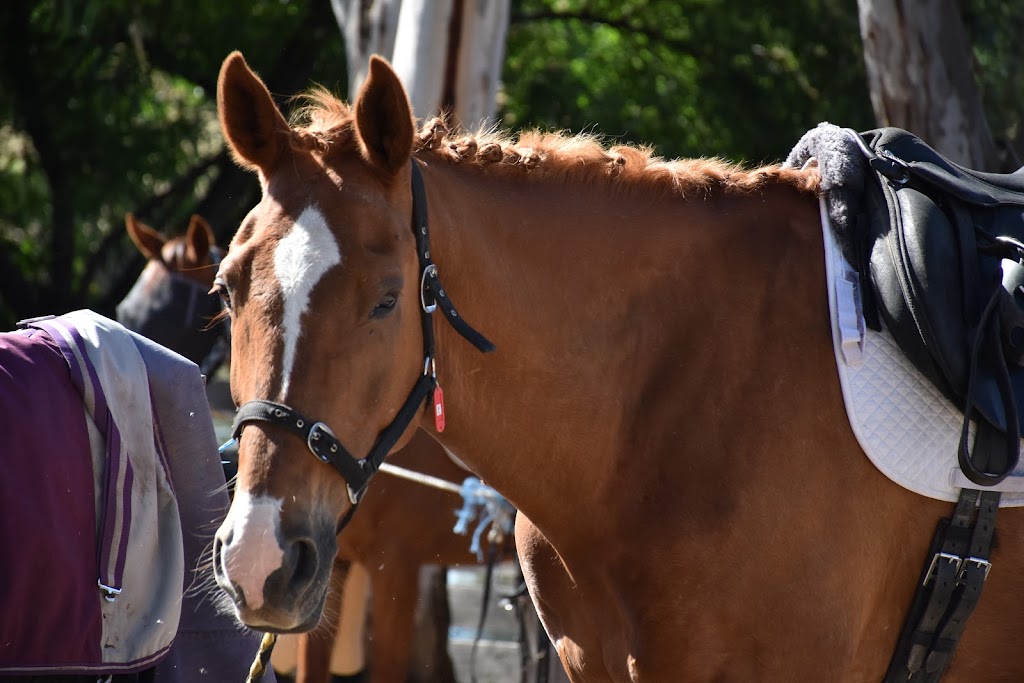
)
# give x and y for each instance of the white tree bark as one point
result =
(481, 54)
(920, 74)
(444, 64)
(369, 28)
(421, 52)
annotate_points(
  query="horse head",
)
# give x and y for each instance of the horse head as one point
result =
(323, 286)
(170, 301)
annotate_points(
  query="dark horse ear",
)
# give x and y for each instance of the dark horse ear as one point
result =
(199, 239)
(253, 126)
(148, 240)
(384, 123)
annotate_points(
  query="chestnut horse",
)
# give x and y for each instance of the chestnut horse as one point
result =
(663, 406)
(403, 525)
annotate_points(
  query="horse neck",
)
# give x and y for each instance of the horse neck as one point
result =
(598, 303)
(536, 267)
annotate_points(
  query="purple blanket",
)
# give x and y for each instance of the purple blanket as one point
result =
(51, 519)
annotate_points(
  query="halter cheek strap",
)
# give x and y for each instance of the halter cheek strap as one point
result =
(320, 440)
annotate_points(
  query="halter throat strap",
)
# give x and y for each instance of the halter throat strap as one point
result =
(432, 294)
(320, 440)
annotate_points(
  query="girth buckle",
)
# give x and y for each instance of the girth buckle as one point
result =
(947, 557)
(976, 561)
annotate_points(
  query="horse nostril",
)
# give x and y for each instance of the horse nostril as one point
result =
(305, 564)
(220, 566)
(218, 554)
(233, 589)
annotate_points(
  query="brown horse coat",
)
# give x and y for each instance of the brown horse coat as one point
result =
(663, 407)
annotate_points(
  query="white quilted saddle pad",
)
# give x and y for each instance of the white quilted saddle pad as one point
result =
(908, 429)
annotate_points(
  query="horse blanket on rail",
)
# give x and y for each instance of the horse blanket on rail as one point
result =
(112, 489)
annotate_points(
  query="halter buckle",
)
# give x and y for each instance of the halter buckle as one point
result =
(315, 434)
(429, 271)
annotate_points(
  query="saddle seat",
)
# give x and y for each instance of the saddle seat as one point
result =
(939, 250)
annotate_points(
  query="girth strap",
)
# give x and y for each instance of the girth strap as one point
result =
(955, 572)
(941, 574)
(973, 572)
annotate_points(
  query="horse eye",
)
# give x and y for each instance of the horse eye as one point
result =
(384, 307)
(221, 290)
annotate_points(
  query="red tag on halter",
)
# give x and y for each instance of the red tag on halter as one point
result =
(438, 409)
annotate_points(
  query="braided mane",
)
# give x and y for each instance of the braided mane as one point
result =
(326, 124)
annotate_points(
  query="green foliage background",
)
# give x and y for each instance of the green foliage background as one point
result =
(108, 106)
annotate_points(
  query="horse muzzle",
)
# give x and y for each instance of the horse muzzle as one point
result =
(276, 581)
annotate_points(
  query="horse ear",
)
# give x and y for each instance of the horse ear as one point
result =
(146, 239)
(384, 125)
(253, 126)
(199, 239)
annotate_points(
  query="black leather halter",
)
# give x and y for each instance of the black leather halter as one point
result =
(317, 435)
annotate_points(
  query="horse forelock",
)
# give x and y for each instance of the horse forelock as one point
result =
(325, 126)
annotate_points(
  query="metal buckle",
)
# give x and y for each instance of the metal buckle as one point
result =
(953, 559)
(314, 435)
(897, 164)
(109, 594)
(978, 562)
(430, 270)
(1013, 244)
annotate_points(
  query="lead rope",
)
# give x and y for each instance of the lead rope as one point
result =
(262, 662)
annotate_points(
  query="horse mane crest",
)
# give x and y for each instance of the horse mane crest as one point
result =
(325, 125)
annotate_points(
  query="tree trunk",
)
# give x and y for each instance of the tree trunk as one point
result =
(920, 73)
(448, 53)
(369, 28)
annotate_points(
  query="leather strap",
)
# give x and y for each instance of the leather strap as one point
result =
(970, 581)
(318, 437)
(434, 292)
(988, 341)
(948, 592)
(942, 575)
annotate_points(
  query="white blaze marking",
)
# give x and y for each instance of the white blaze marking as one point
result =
(254, 553)
(301, 259)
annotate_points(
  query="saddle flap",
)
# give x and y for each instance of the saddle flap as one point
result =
(916, 276)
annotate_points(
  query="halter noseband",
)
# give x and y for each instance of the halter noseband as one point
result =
(320, 440)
